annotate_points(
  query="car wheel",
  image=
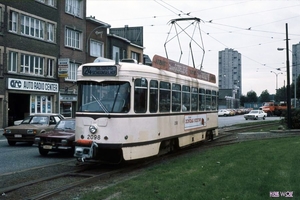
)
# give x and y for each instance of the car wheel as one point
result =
(264, 117)
(11, 143)
(43, 152)
(30, 143)
(256, 118)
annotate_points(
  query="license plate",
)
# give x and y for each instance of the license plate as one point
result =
(18, 136)
(47, 147)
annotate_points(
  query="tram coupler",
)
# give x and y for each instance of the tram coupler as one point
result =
(84, 149)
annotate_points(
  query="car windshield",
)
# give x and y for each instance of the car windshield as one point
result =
(66, 125)
(36, 120)
(254, 111)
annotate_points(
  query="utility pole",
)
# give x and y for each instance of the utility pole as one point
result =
(288, 87)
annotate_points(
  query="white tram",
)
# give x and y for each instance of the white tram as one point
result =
(129, 111)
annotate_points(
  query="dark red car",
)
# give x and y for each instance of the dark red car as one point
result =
(60, 139)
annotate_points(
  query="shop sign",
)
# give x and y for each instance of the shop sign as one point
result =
(30, 85)
(63, 65)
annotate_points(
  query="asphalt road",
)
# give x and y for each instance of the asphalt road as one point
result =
(22, 156)
(239, 119)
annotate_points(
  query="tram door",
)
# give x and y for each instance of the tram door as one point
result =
(18, 105)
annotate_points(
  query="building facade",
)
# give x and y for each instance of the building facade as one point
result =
(29, 54)
(295, 61)
(230, 73)
(72, 42)
(230, 70)
(42, 43)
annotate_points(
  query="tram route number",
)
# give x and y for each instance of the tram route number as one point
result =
(93, 137)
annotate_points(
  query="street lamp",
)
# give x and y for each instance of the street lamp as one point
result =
(88, 38)
(295, 80)
(276, 78)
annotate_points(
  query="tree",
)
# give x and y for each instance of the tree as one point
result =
(252, 97)
(264, 96)
(280, 94)
(243, 99)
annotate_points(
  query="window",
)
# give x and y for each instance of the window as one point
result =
(1, 19)
(214, 100)
(50, 32)
(153, 96)
(72, 38)
(13, 61)
(140, 95)
(73, 7)
(32, 27)
(50, 67)
(135, 56)
(72, 71)
(41, 104)
(48, 2)
(208, 100)
(164, 96)
(176, 97)
(115, 51)
(201, 99)
(13, 22)
(96, 48)
(32, 64)
(194, 99)
(186, 95)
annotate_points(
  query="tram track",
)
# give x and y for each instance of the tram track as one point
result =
(56, 186)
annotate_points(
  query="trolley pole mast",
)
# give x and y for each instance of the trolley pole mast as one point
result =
(288, 87)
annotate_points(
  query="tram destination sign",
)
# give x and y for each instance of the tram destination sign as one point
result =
(179, 68)
(99, 71)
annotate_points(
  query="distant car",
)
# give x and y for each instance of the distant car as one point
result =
(60, 139)
(30, 127)
(223, 112)
(256, 114)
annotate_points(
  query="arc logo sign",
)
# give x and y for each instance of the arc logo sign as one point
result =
(30, 85)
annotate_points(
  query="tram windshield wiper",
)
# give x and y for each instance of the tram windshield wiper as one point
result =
(101, 105)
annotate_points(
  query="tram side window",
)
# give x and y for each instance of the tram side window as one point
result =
(208, 100)
(186, 97)
(201, 99)
(140, 95)
(194, 99)
(164, 96)
(176, 97)
(153, 96)
(214, 97)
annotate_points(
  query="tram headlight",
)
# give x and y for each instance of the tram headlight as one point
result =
(92, 129)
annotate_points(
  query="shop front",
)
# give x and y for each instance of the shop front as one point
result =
(26, 97)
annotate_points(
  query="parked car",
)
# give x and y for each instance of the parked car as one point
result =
(256, 114)
(30, 127)
(223, 112)
(60, 139)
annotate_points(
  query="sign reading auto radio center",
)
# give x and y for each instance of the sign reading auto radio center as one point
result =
(30, 85)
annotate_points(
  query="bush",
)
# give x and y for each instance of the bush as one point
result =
(295, 118)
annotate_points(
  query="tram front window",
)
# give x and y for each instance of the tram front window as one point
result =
(104, 97)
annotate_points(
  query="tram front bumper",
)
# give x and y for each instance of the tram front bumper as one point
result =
(84, 150)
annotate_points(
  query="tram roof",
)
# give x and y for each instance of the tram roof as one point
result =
(166, 70)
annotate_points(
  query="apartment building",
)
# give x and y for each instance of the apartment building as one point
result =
(29, 51)
(230, 81)
(42, 43)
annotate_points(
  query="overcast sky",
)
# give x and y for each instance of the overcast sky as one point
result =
(253, 28)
